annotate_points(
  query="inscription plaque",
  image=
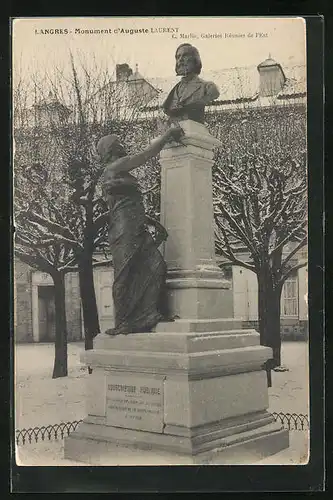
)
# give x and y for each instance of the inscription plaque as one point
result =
(134, 402)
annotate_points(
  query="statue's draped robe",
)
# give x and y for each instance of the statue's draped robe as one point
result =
(139, 268)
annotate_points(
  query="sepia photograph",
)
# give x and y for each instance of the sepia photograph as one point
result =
(160, 255)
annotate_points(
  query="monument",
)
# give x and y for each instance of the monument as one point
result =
(194, 391)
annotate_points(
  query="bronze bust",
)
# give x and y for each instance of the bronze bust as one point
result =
(187, 99)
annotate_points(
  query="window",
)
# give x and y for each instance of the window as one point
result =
(289, 306)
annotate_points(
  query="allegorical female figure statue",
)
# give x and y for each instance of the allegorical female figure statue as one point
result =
(139, 269)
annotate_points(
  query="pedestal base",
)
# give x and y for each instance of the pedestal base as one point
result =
(101, 445)
(197, 396)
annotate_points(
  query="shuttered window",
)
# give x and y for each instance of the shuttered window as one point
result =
(289, 306)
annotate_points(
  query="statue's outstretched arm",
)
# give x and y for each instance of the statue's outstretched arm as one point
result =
(127, 163)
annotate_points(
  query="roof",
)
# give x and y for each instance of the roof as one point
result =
(295, 83)
(135, 76)
(236, 84)
(268, 62)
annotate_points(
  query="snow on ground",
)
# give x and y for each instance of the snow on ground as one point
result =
(290, 390)
(41, 400)
(51, 454)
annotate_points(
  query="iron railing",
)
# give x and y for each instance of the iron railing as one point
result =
(290, 421)
(46, 432)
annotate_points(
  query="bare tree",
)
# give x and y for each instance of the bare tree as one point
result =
(37, 192)
(99, 105)
(71, 111)
(36, 220)
(260, 192)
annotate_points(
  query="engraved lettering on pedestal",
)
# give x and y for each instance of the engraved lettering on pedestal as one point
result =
(134, 402)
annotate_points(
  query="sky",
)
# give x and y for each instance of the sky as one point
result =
(239, 42)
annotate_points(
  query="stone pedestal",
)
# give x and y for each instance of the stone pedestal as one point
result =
(196, 285)
(194, 391)
(182, 397)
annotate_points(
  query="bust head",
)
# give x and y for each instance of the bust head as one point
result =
(187, 60)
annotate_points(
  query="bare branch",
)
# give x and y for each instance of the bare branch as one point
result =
(101, 220)
(152, 188)
(297, 248)
(52, 226)
(35, 260)
(288, 238)
(229, 253)
(241, 234)
(293, 270)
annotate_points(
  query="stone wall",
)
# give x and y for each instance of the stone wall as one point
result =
(22, 303)
(23, 314)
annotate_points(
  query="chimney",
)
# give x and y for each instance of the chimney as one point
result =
(272, 77)
(123, 72)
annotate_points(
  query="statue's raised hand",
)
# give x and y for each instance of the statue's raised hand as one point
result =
(174, 134)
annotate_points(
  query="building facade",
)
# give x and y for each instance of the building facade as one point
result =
(294, 310)
(34, 306)
(262, 86)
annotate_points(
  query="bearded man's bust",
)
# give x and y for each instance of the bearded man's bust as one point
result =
(187, 99)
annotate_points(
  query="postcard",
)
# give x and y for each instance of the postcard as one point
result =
(160, 254)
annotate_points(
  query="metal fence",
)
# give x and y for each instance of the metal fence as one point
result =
(290, 421)
(46, 433)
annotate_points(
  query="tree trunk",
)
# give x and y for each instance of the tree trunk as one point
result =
(269, 309)
(60, 360)
(88, 300)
